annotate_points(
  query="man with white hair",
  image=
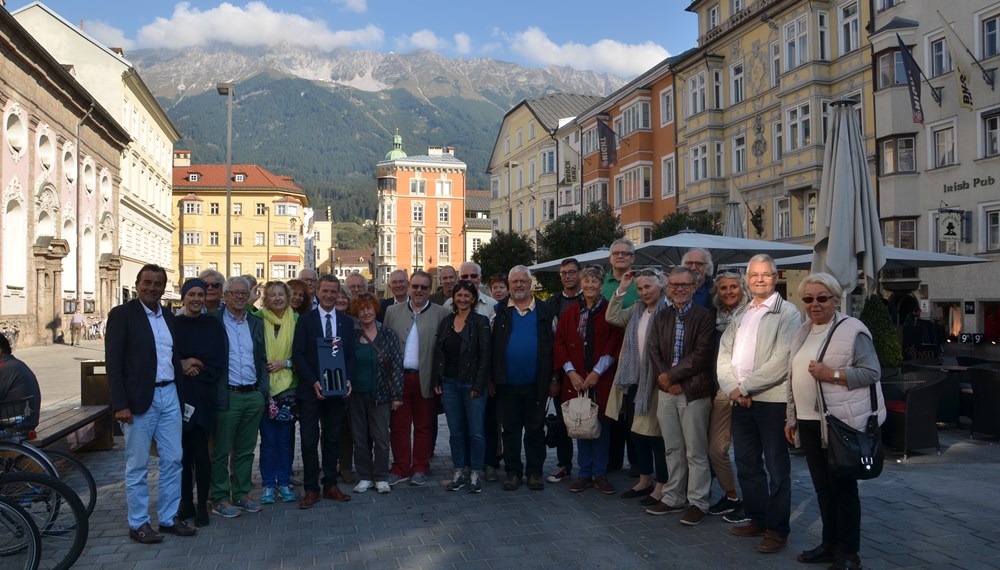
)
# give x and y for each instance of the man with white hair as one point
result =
(311, 279)
(753, 370)
(356, 284)
(522, 367)
(471, 271)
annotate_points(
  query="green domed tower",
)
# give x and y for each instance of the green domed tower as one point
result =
(397, 148)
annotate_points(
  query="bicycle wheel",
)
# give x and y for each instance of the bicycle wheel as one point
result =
(75, 474)
(20, 543)
(58, 514)
(15, 457)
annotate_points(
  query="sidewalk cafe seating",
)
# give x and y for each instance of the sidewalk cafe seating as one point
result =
(985, 380)
(911, 400)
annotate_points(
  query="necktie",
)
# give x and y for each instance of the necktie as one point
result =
(328, 332)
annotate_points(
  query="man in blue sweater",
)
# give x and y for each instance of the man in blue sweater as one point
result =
(522, 367)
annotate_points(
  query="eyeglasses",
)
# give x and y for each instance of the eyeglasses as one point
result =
(569, 272)
(808, 300)
(238, 293)
(621, 254)
(767, 275)
(681, 285)
(213, 285)
(469, 276)
(418, 287)
(647, 273)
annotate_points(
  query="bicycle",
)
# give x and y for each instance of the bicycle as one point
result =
(20, 541)
(17, 455)
(57, 512)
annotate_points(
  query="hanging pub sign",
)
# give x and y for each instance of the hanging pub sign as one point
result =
(949, 226)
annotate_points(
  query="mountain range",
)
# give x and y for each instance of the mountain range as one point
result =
(326, 118)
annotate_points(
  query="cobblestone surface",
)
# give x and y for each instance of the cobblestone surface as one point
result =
(927, 512)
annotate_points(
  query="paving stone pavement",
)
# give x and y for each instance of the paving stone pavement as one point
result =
(927, 512)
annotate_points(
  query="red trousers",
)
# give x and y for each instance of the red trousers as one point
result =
(414, 418)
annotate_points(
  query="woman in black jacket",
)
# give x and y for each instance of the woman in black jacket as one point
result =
(201, 345)
(461, 369)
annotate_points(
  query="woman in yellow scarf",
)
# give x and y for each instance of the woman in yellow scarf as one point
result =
(277, 427)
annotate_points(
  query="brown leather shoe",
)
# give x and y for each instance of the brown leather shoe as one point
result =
(748, 530)
(773, 542)
(145, 534)
(336, 494)
(603, 485)
(178, 528)
(310, 499)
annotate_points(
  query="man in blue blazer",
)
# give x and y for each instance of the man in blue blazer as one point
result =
(142, 367)
(323, 322)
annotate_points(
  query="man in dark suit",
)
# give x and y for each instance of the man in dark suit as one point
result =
(324, 322)
(141, 368)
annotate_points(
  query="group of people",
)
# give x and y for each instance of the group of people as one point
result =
(681, 367)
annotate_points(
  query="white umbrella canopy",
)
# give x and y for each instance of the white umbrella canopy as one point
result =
(725, 250)
(597, 257)
(895, 258)
(734, 221)
(848, 233)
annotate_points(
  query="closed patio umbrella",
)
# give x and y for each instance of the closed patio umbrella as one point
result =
(734, 221)
(848, 235)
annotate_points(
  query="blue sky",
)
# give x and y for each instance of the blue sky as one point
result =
(624, 38)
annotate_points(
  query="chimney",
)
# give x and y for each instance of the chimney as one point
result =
(451, 150)
(182, 158)
(119, 51)
(434, 151)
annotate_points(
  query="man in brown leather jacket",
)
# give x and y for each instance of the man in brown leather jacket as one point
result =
(680, 346)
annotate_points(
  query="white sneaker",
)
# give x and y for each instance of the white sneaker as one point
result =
(383, 487)
(363, 486)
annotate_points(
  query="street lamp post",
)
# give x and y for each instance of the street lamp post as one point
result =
(226, 90)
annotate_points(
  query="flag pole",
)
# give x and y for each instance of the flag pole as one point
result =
(987, 73)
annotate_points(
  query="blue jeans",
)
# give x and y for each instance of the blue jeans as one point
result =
(276, 451)
(758, 443)
(592, 454)
(466, 420)
(161, 422)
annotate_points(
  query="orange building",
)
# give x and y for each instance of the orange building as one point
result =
(421, 211)
(642, 186)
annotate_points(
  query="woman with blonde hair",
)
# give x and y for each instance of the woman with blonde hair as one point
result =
(277, 427)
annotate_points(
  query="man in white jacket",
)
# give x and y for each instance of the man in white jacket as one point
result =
(753, 369)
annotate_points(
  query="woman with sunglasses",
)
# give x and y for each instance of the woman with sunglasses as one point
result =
(839, 383)
(200, 342)
(635, 389)
(277, 427)
(460, 375)
(729, 297)
(586, 350)
(376, 390)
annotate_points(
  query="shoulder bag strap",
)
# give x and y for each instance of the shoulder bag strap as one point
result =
(822, 353)
(381, 355)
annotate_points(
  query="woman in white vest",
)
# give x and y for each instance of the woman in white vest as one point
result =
(847, 370)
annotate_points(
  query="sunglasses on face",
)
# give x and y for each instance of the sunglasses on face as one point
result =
(213, 285)
(808, 300)
(469, 276)
(418, 287)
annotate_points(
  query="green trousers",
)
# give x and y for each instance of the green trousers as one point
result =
(235, 440)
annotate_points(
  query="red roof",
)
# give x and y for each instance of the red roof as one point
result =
(214, 176)
(355, 255)
(281, 257)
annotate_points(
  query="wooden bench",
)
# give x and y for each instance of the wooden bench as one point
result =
(58, 423)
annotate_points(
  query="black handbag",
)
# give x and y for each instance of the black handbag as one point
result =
(555, 429)
(852, 454)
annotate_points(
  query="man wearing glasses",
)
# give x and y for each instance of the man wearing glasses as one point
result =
(681, 341)
(399, 286)
(753, 370)
(411, 426)
(311, 279)
(700, 261)
(241, 404)
(213, 294)
(569, 275)
(621, 257)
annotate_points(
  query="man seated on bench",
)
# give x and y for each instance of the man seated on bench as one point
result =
(17, 381)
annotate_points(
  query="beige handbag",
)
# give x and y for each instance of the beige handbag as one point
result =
(581, 417)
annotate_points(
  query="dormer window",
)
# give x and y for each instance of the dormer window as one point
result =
(239, 177)
(193, 177)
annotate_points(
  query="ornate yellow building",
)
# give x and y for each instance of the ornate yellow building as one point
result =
(754, 101)
(266, 224)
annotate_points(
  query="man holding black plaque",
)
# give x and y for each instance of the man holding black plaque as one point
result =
(334, 330)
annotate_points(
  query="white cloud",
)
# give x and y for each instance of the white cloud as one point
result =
(357, 6)
(605, 55)
(463, 43)
(107, 34)
(252, 25)
(422, 39)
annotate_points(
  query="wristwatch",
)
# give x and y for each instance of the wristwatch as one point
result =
(288, 363)
(836, 376)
